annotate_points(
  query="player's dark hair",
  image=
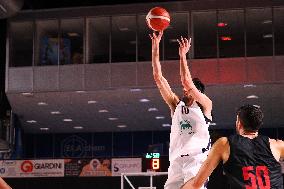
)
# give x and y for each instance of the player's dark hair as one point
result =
(251, 117)
(199, 85)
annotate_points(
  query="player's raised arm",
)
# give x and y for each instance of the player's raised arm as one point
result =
(170, 98)
(186, 78)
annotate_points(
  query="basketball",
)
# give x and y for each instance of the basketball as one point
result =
(158, 19)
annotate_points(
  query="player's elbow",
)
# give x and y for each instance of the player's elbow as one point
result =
(197, 183)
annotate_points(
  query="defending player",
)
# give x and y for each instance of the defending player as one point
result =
(250, 160)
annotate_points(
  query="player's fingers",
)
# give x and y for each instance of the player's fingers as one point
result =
(182, 40)
(186, 41)
(151, 36)
(180, 44)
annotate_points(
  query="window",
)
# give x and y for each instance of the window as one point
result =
(71, 41)
(102, 144)
(259, 32)
(98, 32)
(141, 141)
(231, 33)
(44, 146)
(144, 41)
(279, 31)
(204, 34)
(46, 42)
(21, 44)
(122, 144)
(123, 39)
(178, 27)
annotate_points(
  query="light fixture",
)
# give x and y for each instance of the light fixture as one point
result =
(44, 128)
(249, 85)
(132, 42)
(112, 118)
(124, 29)
(212, 123)
(92, 102)
(135, 90)
(267, 22)
(27, 94)
(269, 35)
(160, 117)
(80, 91)
(222, 24)
(255, 105)
(121, 126)
(144, 100)
(226, 38)
(173, 40)
(72, 34)
(55, 112)
(78, 127)
(166, 125)
(67, 120)
(152, 109)
(103, 111)
(42, 103)
(252, 96)
(31, 121)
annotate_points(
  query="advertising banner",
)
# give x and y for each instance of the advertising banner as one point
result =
(8, 168)
(126, 165)
(32, 168)
(88, 167)
(40, 168)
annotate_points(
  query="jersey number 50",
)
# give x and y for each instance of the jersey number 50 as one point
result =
(256, 179)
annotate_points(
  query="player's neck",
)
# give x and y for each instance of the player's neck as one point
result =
(249, 134)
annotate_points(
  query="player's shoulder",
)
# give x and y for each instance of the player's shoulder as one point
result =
(223, 140)
(276, 142)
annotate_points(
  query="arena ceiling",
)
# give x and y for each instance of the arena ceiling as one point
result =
(139, 109)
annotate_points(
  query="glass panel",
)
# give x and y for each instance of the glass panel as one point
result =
(71, 41)
(21, 46)
(123, 43)
(279, 30)
(231, 33)
(98, 39)
(44, 146)
(162, 137)
(122, 144)
(47, 42)
(29, 146)
(144, 41)
(141, 142)
(178, 27)
(102, 144)
(204, 34)
(259, 32)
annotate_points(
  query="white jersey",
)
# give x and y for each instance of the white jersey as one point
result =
(189, 131)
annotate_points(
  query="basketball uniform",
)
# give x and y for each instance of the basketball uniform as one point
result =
(252, 165)
(189, 144)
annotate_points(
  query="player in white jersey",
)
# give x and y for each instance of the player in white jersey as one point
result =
(189, 139)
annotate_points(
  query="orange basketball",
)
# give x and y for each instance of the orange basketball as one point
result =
(158, 19)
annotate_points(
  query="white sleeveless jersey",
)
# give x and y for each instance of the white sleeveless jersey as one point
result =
(189, 131)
